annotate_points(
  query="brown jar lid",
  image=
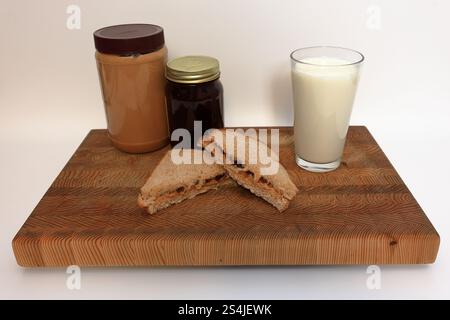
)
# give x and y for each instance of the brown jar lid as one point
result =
(129, 39)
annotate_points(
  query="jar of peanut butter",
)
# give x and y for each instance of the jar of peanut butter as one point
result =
(131, 59)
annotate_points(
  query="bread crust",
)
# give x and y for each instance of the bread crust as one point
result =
(276, 189)
(267, 193)
(160, 203)
(170, 183)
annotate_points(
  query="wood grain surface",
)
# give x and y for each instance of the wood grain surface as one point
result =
(361, 213)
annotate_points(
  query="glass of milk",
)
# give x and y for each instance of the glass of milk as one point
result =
(324, 82)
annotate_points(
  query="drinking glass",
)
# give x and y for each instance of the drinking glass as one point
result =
(324, 82)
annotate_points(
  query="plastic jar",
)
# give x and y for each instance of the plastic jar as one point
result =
(131, 59)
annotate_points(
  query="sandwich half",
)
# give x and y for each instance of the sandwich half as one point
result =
(171, 183)
(277, 188)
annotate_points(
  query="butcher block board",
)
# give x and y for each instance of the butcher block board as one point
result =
(361, 213)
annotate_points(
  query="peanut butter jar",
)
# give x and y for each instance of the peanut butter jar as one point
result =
(131, 60)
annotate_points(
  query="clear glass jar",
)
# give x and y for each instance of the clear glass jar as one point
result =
(194, 93)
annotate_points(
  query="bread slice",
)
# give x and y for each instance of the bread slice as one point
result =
(171, 183)
(277, 189)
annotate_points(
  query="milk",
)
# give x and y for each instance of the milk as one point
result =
(324, 89)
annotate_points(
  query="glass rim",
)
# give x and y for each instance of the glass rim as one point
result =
(360, 60)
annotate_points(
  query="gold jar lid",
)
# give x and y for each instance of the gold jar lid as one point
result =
(193, 69)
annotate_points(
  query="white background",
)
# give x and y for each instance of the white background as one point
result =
(50, 99)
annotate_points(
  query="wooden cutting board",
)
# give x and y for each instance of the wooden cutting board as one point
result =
(361, 213)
